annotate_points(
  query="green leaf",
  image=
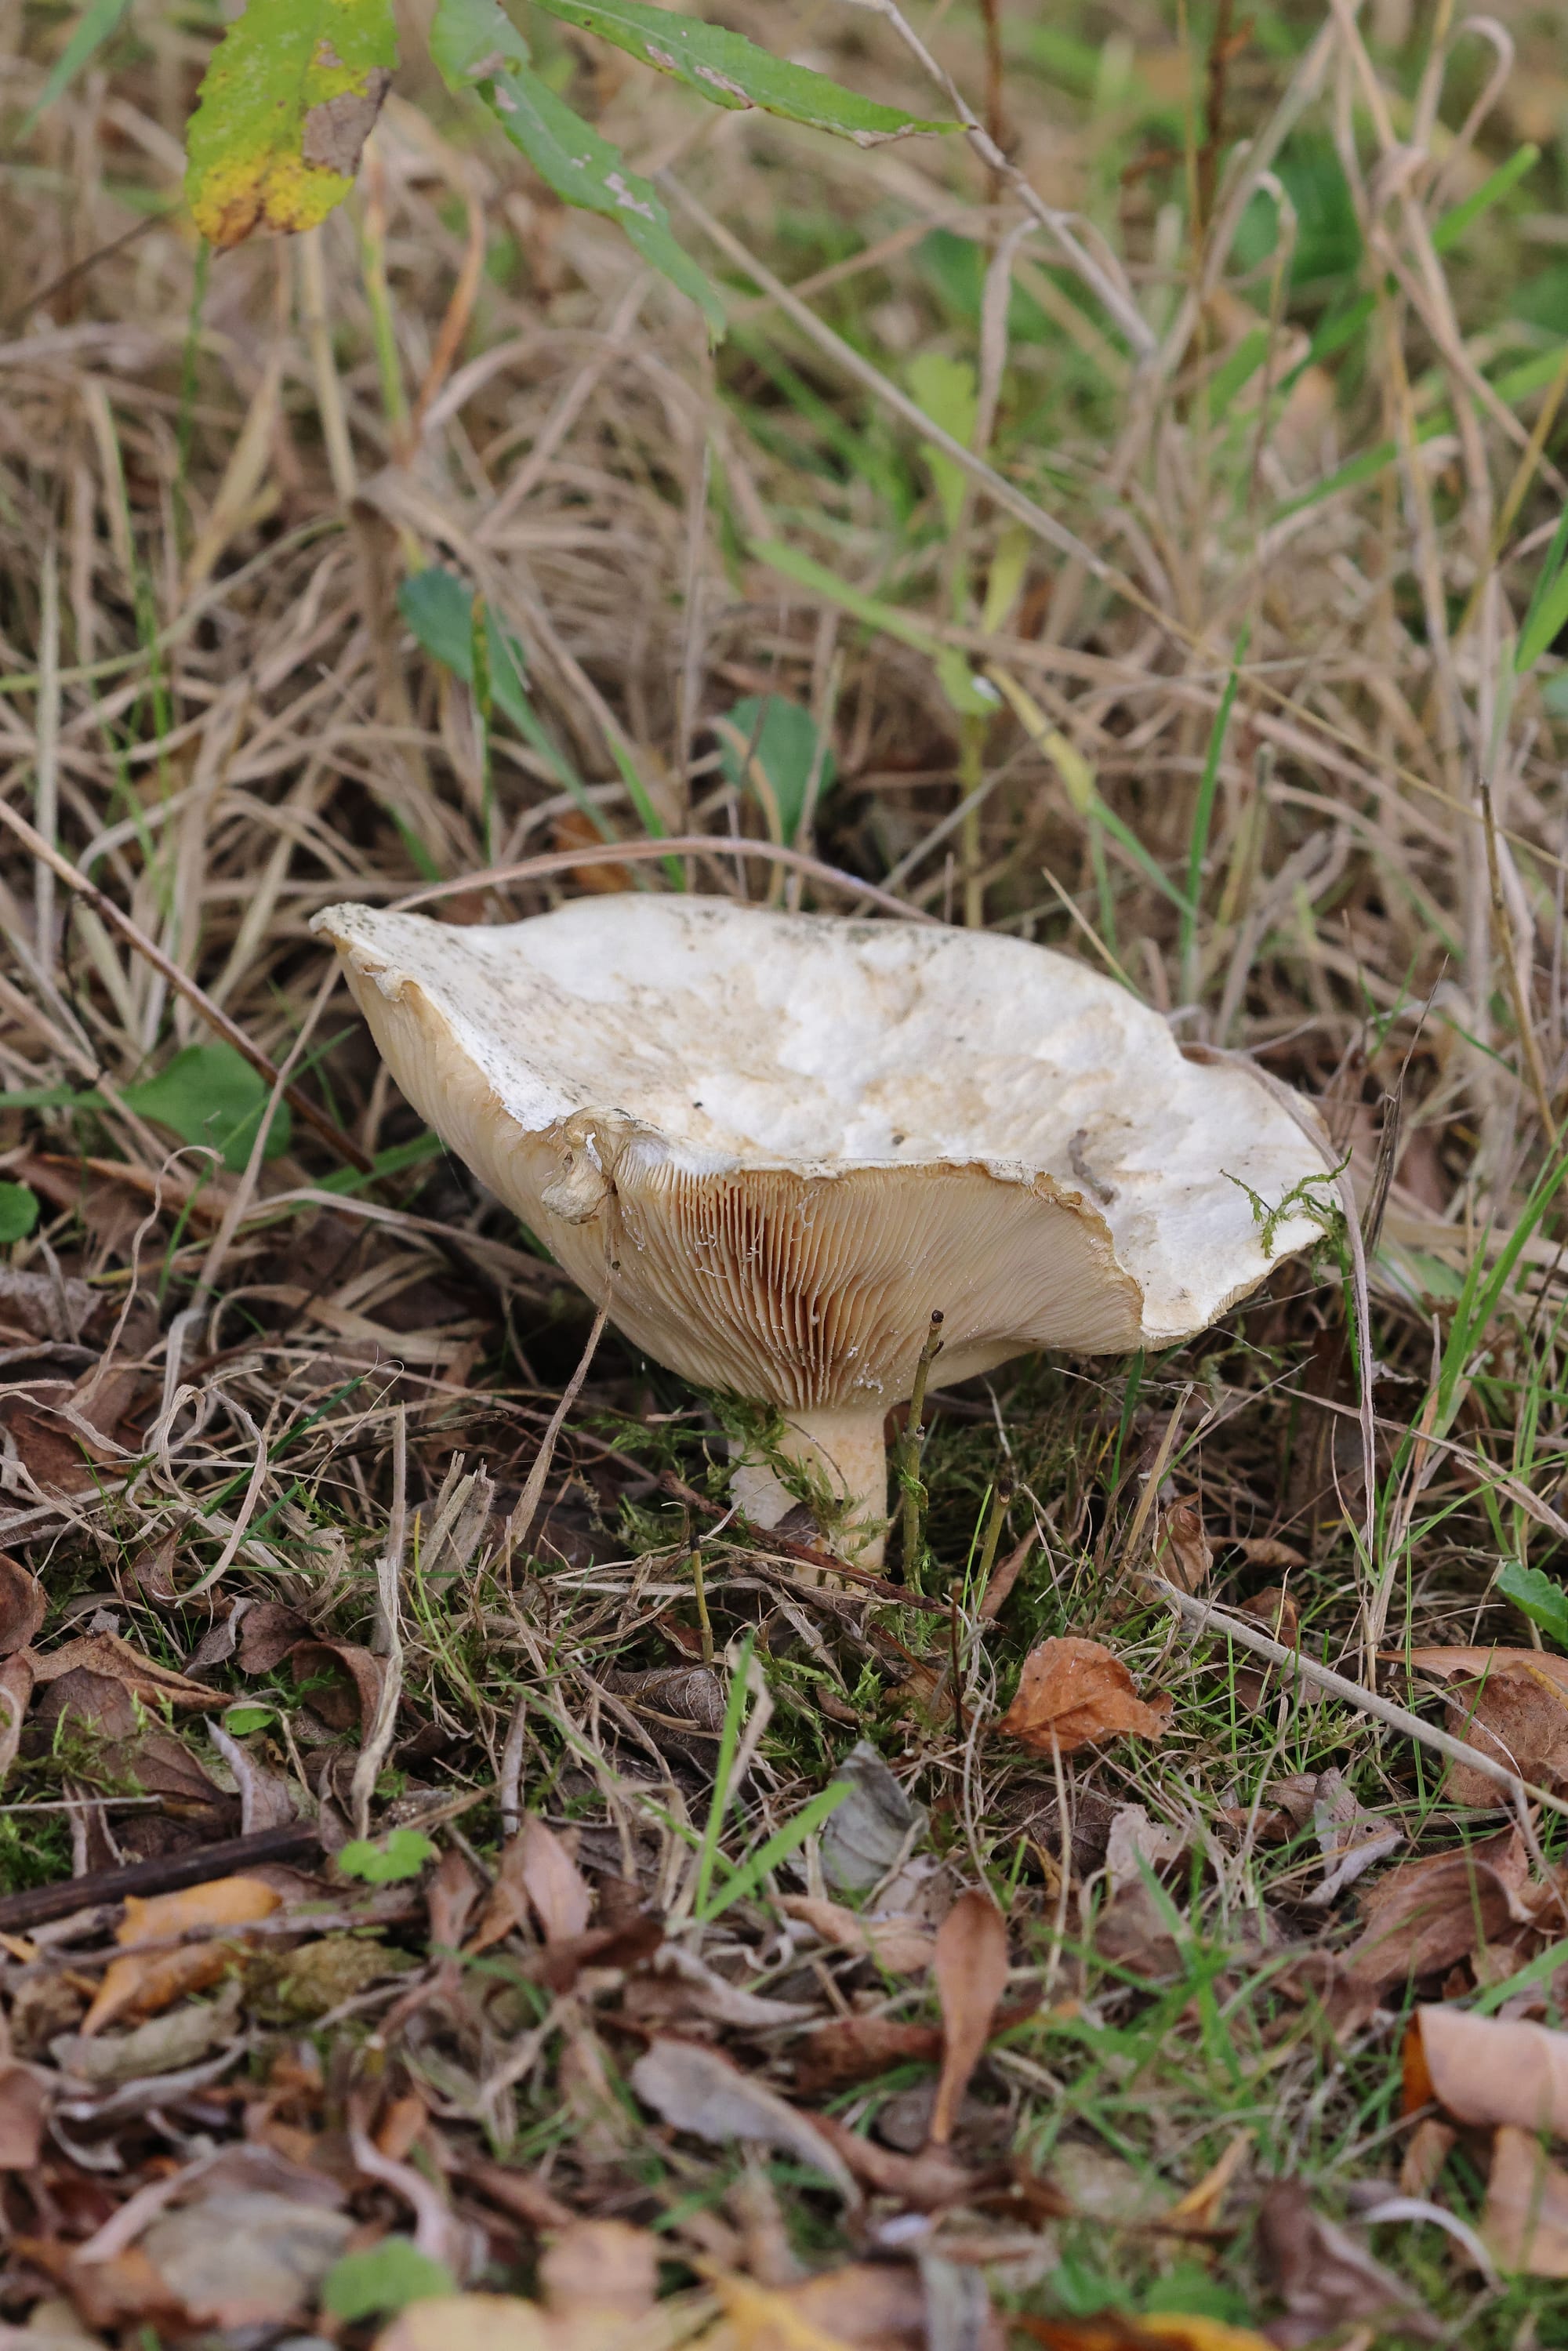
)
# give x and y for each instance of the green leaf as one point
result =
(730, 70)
(402, 1853)
(18, 1212)
(210, 1094)
(382, 2279)
(98, 23)
(439, 608)
(1538, 1597)
(947, 391)
(780, 738)
(287, 103)
(241, 1720)
(476, 46)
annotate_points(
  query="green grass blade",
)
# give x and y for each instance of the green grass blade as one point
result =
(1203, 810)
(777, 1848)
(1454, 224)
(718, 1805)
(98, 23)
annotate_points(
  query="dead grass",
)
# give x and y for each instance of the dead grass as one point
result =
(215, 480)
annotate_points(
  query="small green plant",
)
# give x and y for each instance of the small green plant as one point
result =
(381, 2280)
(295, 87)
(1538, 1597)
(771, 748)
(380, 1861)
(18, 1212)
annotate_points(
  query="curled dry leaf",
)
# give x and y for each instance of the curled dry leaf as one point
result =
(347, 1683)
(265, 1801)
(876, 1823)
(1183, 1554)
(555, 1886)
(1136, 1838)
(1427, 1915)
(1509, 1704)
(852, 2049)
(1488, 2069)
(23, 1606)
(1525, 2222)
(248, 2257)
(1074, 1693)
(268, 1632)
(1323, 2277)
(971, 1970)
(896, 1945)
(927, 2182)
(140, 1982)
(695, 2089)
(116, 1660)
(24, 2102)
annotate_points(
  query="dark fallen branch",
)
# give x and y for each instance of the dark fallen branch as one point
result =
(166, 1873)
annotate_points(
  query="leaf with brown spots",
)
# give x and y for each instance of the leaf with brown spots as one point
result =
(1074, 1693)
(287, 102)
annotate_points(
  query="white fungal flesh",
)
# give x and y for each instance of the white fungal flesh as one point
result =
(793, 1136)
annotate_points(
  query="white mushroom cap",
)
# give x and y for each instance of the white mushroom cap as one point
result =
(794, 1136)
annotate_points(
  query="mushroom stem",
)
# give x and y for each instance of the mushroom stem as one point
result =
(848, 1449)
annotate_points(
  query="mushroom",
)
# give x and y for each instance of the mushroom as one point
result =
(774, 1144)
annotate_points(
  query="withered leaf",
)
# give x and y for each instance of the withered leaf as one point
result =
(894, 1943)
(106, 1654)
(927, 2182)
(873, 2304)
(142, 1982)
(23, 1606)
(1509, 1704)
(348, 1683)
(1525, 2223)
(1428, 1914)
(1493, 2069)
(697, 2089)
(246, 2259)
(1111, 2330)
(600, 2266)
(554, 1885)
(852, 2049)
(1183, 1554)
(971, 1969)
(268, 1632)
(263, 1797)
(1323, 2276)
(24, 2103)
(875, 1825)
(16, 1689)
(1074, 1693)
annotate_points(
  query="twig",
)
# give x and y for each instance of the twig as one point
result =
(1205, 1616)
(528, 1500)
(107, 912)
(386, 1641)
(166, 1873)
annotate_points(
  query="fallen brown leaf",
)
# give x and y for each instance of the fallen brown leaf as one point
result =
(1492, 2069)
(268, 1632)
(1427, 1915)
(852, 2049)
(894, 1943)
(1074, 1693)
(1323, 2277)
(600, 2266)
(971, 1970)
(1509, 1704)
(695, 2089)
(23, 1606)
(142, 1982)
(1430, 2145)
(24, 2102)
(246, 2259)
(864, 2306)
(106, 1654)
(1183, 1553)
(1525, 2222)
(348, 1683)
(926, 2182)
(555, 1886)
